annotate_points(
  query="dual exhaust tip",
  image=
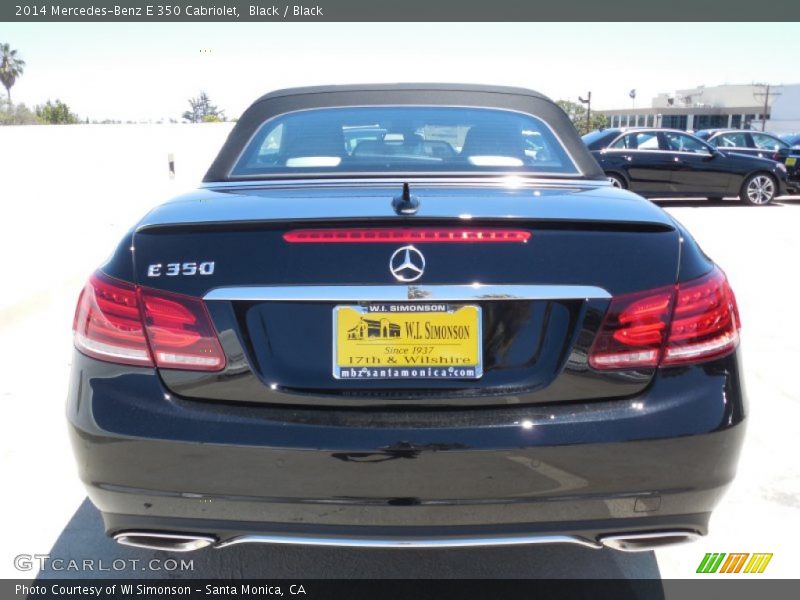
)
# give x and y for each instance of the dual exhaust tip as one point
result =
(625, 542)
(171, 542)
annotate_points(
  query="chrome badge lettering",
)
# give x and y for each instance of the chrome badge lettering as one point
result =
(183, 269)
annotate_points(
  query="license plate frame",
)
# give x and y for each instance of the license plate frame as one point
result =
(446, 360)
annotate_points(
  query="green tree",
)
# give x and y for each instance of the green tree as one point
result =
(11, 67)
(56, 113)
(17, 114)
(577, 114)
(203, 111)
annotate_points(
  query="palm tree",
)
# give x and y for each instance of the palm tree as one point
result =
(11, 67)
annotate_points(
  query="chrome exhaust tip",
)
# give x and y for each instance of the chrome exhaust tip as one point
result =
(172, 542)
(644, 542)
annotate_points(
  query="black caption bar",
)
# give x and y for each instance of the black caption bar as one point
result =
(394, 589)
(405, 10)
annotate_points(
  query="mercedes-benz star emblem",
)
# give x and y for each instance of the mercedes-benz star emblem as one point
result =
(407, 264)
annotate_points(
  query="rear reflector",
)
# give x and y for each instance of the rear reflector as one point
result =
(690, 322)
(406, 234)
(118, 322)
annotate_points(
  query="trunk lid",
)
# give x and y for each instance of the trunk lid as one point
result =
(273, 302)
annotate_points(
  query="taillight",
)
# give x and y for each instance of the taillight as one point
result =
(406, 235)
(118, 322)
(180, 332)
(705, 323)
(633, 331)
(107, 322)
(686, 323)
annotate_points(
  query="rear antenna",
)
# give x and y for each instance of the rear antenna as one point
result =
(405, 204)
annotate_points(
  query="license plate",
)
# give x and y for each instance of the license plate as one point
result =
(407, 341)
(791, 161)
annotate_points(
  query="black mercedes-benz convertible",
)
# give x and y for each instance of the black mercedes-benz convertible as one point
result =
(406, 316)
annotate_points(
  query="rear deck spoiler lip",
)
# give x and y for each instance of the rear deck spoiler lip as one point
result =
(592, 203)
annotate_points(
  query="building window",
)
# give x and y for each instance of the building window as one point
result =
(674, 121)
(736, 121)
(710, 121)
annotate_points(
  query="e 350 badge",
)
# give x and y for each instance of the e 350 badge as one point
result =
(185, 269)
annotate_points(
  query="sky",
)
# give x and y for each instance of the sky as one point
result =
(148, 71)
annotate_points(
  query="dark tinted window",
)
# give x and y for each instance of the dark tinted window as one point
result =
(767, 142)
(681, 142)
(403, 139)
(732, 139)
(642, 140)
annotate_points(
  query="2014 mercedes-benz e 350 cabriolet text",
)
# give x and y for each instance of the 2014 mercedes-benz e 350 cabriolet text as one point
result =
(406, 315)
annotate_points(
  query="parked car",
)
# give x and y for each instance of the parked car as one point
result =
(669, 163)
(757, 143)
(390, 346)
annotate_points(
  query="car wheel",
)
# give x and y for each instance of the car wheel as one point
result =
(758, 189)
(617, 181)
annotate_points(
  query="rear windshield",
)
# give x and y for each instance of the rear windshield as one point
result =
(407, 139)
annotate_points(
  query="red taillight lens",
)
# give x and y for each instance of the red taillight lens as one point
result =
(107, 323)
(406, 235)
(686, 323)
(180, 332)
(633, 331)
(705, 323)
(119, 323)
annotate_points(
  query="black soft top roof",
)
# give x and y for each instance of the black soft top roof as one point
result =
(427, 94)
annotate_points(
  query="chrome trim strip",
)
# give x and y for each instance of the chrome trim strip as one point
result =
(404, 293)
(655, 130)
(410, 542)
(632, 150)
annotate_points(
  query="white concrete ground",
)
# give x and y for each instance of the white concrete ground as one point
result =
(68, 194)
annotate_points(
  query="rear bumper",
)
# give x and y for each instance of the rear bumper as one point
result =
(656, 462)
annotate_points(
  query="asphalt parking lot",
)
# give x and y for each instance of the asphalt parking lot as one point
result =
(47, 512)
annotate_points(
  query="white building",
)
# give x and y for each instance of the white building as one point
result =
(735, 106)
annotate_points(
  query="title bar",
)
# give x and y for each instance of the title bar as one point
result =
(407, 10)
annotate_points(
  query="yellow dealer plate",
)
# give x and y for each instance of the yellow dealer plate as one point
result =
(790, 162)
(407, 341)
